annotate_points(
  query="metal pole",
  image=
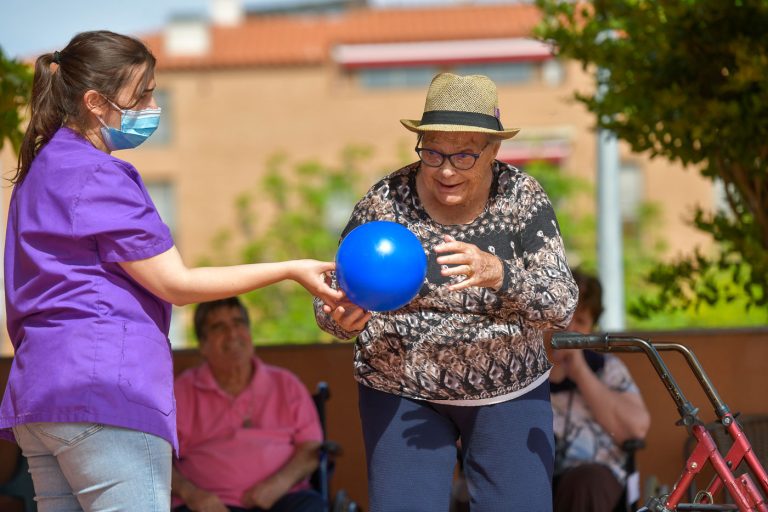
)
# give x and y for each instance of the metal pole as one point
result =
(609, 229)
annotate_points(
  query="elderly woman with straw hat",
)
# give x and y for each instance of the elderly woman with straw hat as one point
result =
(465, 359)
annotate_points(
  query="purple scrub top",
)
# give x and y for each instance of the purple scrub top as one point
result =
(91, 344)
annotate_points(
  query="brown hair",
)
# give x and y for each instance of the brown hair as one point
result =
(101, 61)
(206, 308)
(590, 294)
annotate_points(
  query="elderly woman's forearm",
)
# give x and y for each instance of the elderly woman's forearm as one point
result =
(545, 296)
(327, 324)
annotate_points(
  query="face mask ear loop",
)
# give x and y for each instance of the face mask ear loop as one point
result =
(116, 107)
(113, 106)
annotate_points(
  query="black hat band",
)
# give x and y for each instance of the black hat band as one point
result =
(461, 118)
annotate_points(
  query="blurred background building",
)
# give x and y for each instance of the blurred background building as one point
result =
(240, 85)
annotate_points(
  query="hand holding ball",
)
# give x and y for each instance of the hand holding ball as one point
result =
(381, 266)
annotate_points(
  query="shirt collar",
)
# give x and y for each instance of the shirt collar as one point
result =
(205, 379)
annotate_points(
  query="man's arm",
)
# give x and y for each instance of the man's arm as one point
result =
(299, 467)
(622, 414)
(195, 498)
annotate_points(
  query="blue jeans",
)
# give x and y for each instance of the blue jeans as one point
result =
(94, 467)
(507, 450)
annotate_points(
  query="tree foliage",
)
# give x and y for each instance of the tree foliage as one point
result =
(15, 88)
(567, 194)
(685, 81)
(642, 240)
(294, 213)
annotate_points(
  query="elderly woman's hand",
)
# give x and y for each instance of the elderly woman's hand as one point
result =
(481, 268)
(348, 316)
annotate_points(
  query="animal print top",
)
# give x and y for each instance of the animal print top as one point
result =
(476, 343)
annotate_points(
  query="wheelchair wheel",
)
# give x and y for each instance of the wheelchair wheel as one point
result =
(342, 502)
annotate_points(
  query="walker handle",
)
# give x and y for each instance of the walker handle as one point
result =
(578, 340)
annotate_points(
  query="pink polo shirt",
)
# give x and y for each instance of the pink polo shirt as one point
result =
(227, 444)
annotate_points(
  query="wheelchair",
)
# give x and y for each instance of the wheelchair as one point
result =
(16, 490)
(329, 450)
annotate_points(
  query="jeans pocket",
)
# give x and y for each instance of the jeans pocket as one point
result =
(66, 433)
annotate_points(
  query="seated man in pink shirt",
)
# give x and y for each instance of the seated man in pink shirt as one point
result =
(248, 432)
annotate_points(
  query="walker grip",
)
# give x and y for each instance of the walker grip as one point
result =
(578, 340)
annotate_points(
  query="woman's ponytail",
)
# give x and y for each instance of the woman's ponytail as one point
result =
(46, 113)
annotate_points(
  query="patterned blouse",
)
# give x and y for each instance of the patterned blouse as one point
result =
(579, 437)
(477, 343)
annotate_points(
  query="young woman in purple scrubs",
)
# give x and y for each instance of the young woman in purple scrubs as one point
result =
(91, 272)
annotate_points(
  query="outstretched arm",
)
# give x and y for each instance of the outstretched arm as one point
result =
(166, 276)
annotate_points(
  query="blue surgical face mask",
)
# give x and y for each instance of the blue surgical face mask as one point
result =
(135, 127)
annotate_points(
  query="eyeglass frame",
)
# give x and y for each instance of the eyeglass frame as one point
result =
(443, 156)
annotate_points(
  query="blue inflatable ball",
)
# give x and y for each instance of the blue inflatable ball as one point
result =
(381, 265)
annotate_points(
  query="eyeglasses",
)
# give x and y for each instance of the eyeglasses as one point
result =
(460, 161)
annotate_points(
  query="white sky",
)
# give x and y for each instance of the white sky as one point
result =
(31, 27)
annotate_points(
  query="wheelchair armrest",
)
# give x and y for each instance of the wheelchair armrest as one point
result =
(632, 485)
(632, 445)
(331, 448)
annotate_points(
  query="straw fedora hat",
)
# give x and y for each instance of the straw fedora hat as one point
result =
(461, 104)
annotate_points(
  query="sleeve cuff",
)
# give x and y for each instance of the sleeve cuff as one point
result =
(507, 282)
(159, 247)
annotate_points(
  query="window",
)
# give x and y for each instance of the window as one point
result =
(395, 77)
(164, 197)
(162, 136)
(502, 72)
(549, 147)
(552, 72)
(413, 64)
(421, 76)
